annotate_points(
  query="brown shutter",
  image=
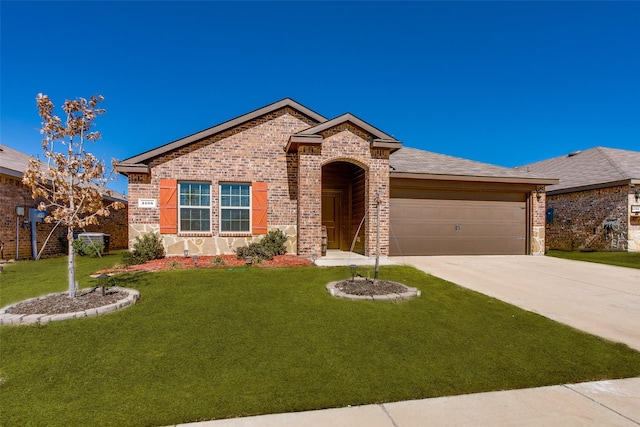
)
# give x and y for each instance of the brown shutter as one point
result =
(168, 206)
(259, 208)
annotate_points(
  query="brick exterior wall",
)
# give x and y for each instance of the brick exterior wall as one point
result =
(592, 220)
(344, 143)
(13, 193)
(252, 152)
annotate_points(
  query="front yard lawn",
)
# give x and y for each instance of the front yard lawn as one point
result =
(621, 259)
(204, 344)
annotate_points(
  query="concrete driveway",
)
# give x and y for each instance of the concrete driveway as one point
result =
(600, 299)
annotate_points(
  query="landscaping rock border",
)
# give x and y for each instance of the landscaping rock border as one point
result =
(16, 319)
(407, 294)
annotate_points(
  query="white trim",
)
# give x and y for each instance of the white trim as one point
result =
(180, 230)
(249, 208)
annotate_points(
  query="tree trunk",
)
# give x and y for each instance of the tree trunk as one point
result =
(71, 264)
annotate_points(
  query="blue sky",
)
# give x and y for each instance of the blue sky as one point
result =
(507, 83)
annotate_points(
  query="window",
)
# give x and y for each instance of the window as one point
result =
(235, 208)
(195, 207)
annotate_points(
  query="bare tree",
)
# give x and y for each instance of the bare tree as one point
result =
(72, 184)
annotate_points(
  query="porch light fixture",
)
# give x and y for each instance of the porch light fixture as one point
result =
(353, 268)
(539, 192)
(186, 253)
(195, 260)
(637, 194)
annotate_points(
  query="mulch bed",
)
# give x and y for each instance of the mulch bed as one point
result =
(61, 303)
(370, 287)
(219, 261)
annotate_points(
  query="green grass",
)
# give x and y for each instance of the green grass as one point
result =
(210, 344)
(622, 259)
(27, 279)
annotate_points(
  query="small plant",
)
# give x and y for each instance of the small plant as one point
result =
(174, 265)
(275, 241)
(128, 259)
(88, 248)
(78, 246)
(271, 245)
(218, 261)
(147, 247)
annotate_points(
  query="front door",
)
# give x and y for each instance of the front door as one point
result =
(331, 216)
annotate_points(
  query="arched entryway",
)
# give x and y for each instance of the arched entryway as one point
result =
(343, 205)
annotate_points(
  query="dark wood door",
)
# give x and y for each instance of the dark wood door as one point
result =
(331, 216)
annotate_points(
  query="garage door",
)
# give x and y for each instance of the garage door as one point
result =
(437, 226)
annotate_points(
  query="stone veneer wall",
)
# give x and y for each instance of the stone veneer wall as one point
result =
(252, 152)
(350, 144)
(580, 218)
(13, 193)
(633, 237)
(537, 224)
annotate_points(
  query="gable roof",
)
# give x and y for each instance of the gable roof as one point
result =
(312, 134)
(593, 168)
(414, 163)
(14, 163)
(137, 162)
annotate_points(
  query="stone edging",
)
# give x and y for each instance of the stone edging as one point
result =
(15, 319)
(408, 294)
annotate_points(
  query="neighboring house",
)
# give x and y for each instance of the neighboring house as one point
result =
(15, 205)
(287, 167)
(596, 204)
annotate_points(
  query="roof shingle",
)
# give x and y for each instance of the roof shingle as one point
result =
(595, 166)
(412, 160)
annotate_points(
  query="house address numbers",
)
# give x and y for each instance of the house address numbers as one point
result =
(147, 203)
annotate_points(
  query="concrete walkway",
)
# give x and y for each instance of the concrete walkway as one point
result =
(336, 257)
(599, 299)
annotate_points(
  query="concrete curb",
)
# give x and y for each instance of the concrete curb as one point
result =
(22, 319)
(408, 294)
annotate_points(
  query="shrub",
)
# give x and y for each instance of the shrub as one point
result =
(89, 248)
(274, 241)
(128, 259)
(147, 247)
(271, 245)
(173, 265)
(78, 246)
(218, 261)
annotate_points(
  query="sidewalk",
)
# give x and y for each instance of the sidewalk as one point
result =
(610, 403)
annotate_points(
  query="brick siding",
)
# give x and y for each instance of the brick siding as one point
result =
(13, 193)
(580, 217)
(254, 152)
